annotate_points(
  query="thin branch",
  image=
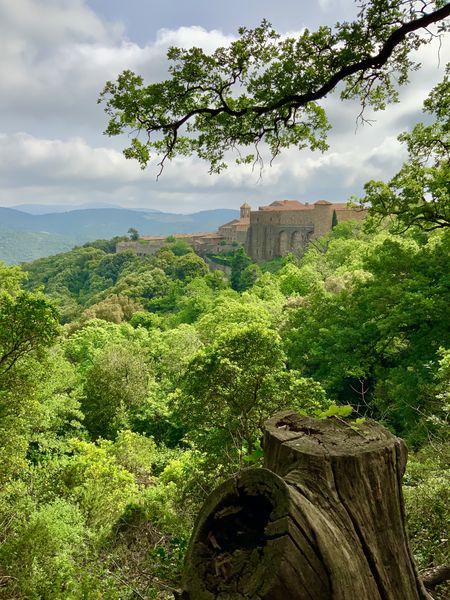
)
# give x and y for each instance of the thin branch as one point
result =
(371, 62)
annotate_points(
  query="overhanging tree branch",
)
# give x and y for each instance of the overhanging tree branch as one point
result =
(297, 100)
(254, 89)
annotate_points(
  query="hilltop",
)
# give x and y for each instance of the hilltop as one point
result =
(25, 236)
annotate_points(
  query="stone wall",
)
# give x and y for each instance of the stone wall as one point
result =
(202, 244)
(141, 247)
(272, 231)
(277, 231)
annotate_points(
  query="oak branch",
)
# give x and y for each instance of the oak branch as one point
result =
(266, 88)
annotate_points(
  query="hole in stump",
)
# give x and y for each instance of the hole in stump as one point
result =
(233, 538)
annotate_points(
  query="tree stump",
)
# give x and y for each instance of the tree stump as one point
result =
(324, 520)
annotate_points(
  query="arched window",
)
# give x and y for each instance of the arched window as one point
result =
(284, 243)
(298, 240)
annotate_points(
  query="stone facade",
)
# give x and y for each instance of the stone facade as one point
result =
(236, 230)
(202, 243)
(287, 225)
(271, 231)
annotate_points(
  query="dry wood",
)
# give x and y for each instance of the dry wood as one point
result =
(323, 521)
(435, 576)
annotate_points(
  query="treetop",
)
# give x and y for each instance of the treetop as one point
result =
(265, 87)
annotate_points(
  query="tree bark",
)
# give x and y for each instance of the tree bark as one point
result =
(435, 576)
(324, 520)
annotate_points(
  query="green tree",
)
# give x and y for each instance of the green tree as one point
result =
(178, 247)
(418, 195)
(230, 310)
(374, 340)
(145, 319)
(427, 503)
(239, 264)
(233, 385)
(28, 324)
(143, 285)
(117, 380)
(43, 551)
(176, 348)
(134, 234)
(334, 220)
(249, 276)
(28, 328)
(263, 87)
(196, 299)
(58, 417)
(82, 346)
(11, 279)
(189, 266)
(115, 308)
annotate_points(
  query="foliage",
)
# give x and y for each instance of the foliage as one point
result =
(28, 324)
(111, 438)
(44, 552)
(264, 87)
(189, 266)
(427, 499)
(233, 385)
(134, 234)
(418, 195)
(231, 310)
(374, 340)
(116, 381)
(178, 247)
(58, 417)
(115, 308)
(144, 319)
(28, 327)
(11, 279)
(239, 264)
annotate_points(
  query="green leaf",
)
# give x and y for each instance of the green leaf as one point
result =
(336, 411)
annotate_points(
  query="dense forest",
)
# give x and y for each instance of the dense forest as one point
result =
(130, 387)
(25, 236)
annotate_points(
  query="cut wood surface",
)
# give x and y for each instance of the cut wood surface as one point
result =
(323, 520)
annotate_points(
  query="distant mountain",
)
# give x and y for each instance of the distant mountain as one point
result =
(61, 230)
(17, 245)
(45, 209)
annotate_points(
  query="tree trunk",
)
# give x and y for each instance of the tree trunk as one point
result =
(323, 520)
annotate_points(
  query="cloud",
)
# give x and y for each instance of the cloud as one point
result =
(326, 4)
(24, 157)
(53, 22)
(48, 166)
(55, 58)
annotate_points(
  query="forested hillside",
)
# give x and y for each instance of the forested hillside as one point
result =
(25, 236)
(18, 245)
(130, 387)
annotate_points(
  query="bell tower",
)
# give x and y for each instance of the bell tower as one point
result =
(245, 211)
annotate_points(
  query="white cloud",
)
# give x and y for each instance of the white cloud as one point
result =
(326, 4)
(24, 157)
(188, 37)
(55, 56)
(53, 22)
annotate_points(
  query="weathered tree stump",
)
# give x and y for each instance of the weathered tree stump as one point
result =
(323, 521)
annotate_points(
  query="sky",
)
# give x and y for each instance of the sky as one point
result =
(56, 55)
